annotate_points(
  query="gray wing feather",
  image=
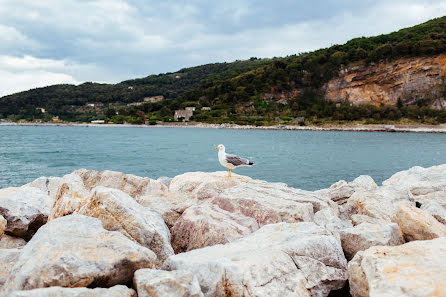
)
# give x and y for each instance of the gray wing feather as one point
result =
(236, 160)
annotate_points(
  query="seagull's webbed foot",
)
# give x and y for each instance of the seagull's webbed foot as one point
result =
(229, 172)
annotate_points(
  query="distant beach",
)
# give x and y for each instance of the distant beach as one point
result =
(412, 128)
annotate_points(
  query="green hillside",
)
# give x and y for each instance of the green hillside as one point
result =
(235, 91)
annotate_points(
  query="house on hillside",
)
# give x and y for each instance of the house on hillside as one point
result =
(135, 104)
(205, 108)
(192, 108)
(154, 99)
(41, 109)
(183, 114)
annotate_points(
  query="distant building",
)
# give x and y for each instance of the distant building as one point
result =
(130, 88)
(205, 108)
(55, 119)
(41, 109)
(154, 99)
(191, 108)
(135, 104)
(183, 114)
(90, 104)
(98, 122)
(177, 76)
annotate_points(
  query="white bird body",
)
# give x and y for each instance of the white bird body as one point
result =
(231, 161)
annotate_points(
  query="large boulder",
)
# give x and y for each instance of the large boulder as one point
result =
(11, 242)
(48, 185)
(414, 269)
(421, 183)
(416, 224)
(74, 188)
(365, 235)
(207, 224)
(2, 226)
(435, 209)
(379, 204)
(115, 291)
(241, 210)
(120, 212)
(8, 258)
(159, 283)
(76, 251)
(342, 190)
(299, 259)
(25, 209)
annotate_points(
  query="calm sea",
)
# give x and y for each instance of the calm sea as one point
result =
(308, 160)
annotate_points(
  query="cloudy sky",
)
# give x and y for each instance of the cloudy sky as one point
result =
(72, 41)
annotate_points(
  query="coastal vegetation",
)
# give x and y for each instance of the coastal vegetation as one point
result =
(246, 92)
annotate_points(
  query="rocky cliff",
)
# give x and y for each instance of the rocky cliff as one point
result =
(410, 79)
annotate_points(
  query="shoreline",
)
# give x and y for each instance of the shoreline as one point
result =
(408, 128)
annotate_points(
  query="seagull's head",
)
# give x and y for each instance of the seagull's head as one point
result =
(220, 147)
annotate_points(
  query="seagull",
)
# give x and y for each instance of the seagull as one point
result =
(231, 161)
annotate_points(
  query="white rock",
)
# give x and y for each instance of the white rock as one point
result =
(379, 204)
(341, 191)
(205, 185)
(2, 226)
(329, 219)
(76, 251)
(422, 183)
(435, 209)
(8, 257)
(11, 242)
(75, 187)
(115, 291)
(25, 209)
(159, 283)
(414, 269)
(357, 219)
(207, 224)
(299, 259)
(48, 185)
(169, 211)
(70, 196)
(365, 235)
(417, 224)
(120, 212)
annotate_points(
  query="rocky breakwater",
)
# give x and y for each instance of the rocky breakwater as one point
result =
(105, 233)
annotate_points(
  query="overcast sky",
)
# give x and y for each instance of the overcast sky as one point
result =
(46, 42)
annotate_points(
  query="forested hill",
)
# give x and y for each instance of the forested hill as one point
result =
(260, 90)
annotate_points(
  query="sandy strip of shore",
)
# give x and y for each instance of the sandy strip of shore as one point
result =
(354, 128)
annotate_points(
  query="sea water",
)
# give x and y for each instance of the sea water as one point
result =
(307, 160)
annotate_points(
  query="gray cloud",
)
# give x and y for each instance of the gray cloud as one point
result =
(112, 40)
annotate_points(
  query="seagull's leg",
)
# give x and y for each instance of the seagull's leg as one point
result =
(230, 172)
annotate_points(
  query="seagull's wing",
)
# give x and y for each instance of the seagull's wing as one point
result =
(236, 160)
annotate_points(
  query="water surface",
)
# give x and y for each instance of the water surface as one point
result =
(304, 159)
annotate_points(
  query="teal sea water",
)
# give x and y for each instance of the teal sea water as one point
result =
(308, 160)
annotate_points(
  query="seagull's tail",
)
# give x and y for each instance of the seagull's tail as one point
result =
(251, 163)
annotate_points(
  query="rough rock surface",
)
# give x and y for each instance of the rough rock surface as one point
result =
(299, 259)
(116, 291)
(168, 210)
(11, 242)
(76, 251)
(159, 283)
(435, 209)
(241, 210)
(329, 219)
(365, 235)
(25, 209)
(417, 224)
(8, 257)
(421, 183)
(414, 269)
(207, 224)
(379, 204)
(120, 212)
(74, 188)
(385, 82)
(48, 185)
(2, 226)
(341, 191)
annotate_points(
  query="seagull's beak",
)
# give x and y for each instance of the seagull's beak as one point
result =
(216, 147)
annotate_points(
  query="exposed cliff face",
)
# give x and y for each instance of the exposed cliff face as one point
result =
(410, 79)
